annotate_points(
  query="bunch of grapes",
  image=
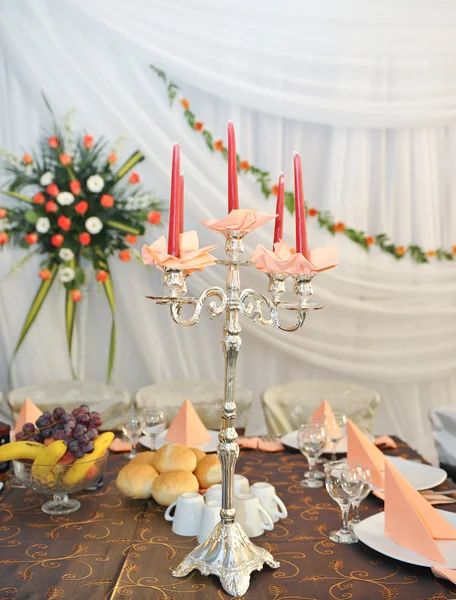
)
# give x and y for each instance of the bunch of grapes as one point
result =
(77, 429)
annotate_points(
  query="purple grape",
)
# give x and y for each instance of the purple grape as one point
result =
(83, 440)
(68, 432)
(20, 436)
(88, 448)
(37, 438)
(96, 421)
(78, 454)
(84, 409)
(28, 428)
(43, 421)
(59, 435)
(65, 418)
(92, 433)
(83, 419)
(79, 430)
(47, 414)
(73, 446)
(58, 413)
(46, 433)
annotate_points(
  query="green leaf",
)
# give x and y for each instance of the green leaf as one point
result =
(207, 135)
(289, 202)
(417, 254)
(134, 159)
(17, 196)
(79, 276)
(109, 290)
(35, 307)
(126, 228)
(358, 237)
(31, 216)
(158, 72)
(443, 254)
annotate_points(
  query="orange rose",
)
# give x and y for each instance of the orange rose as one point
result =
(369, 240)
(3, 238)
(107, 201)
(88, 141)
(64, 223)
(31, 238)
(185, 103)
(51, 206)
(53, 142)
(312, 212)
(400, 250)
(65, 159)
(3, 213)
(85, 238)
(244, 165)
(75, 187)
(57, 240)
(275, 190)
(125, 255)
(27, 159)
(112, 158)
(134, 178)
(76, 295)
(218, 145)
(102, 276)
(39, 198)
(44, 274)
(453, 249)
(431, 253)
(53, 190)
(199, 125)
(154, 217)
(339, 227)
(131, 239)
(81, 207)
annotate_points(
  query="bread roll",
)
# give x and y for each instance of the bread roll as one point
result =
(198, 453)
(174, 457)
(135, 481)
(167, 487)
(209, 471)
(143, 458)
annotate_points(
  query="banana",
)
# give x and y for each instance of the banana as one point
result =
(46, 460)
(20, 450)
(79, 468)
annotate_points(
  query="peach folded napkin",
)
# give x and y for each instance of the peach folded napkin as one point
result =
(256, 443)
(193, 258)
(285, 259)
(385, 441)
(410, 520)
(120, 445)
(325, 410)
(361, 450)
(29, 413)
(239, 219)
(444, 573)
(433, 499)
(187, 428)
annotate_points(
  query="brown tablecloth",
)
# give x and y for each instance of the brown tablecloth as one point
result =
(114, 548)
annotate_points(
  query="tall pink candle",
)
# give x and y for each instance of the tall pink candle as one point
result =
(301, 227)
(181, 212)
(233, 195)
(278, 229)
(174, 209)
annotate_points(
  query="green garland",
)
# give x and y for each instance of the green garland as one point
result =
(325, 219)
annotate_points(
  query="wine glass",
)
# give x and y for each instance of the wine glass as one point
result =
(131, 427)
(367, 487)
(336, 430)
(344, 482)
(153, 422)
(311, 441)
(321, 422)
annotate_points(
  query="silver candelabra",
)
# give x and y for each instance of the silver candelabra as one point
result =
(228, 552)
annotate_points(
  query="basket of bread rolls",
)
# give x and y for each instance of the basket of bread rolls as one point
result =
(169, 472)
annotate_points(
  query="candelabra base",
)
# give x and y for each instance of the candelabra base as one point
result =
(229, 554)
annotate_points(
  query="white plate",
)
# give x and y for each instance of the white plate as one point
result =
(160, 441)
(371, 531)
(422, 477)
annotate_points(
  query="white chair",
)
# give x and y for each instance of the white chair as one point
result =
(443, 423)
(205, 395)
(289, 405)
(111, 402)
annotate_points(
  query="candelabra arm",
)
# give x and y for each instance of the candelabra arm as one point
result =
(214, 309)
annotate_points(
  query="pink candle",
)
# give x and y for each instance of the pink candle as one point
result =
(233, 196)
(278, 229)
(174, 210)
(181, 212)
(301, 227)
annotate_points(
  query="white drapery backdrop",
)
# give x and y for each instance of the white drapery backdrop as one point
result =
(362, 90)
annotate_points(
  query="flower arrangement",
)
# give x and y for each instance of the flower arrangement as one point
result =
(76, 209)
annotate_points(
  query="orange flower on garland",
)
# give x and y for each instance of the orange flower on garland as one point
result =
(275, 190)
(3, 238)
(244, 165)
(218, 145)
(431, 253)
(27, 159)
(453, 250)
(400, 250)
(312, 212)
(44, 274)
(65, 159)
(369, 240)
(339, 227)
(185, 103)
(199, 125)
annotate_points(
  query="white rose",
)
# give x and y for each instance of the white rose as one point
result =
(93, 225)
(66, 254)
(47, 178)
(66, 274)
(42, 225)
(95, 183)
(65, 198)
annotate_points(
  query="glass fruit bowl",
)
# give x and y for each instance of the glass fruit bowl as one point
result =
(59, 480)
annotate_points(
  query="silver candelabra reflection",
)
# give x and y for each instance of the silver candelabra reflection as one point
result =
(228, 552)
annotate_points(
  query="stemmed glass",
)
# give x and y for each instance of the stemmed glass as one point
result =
(320, 422)
(131, 427)
(311, 441)
(153, 422)
(344, 482)
(336, 430)
(365, 491)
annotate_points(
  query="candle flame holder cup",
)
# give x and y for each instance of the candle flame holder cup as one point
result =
(228, 553)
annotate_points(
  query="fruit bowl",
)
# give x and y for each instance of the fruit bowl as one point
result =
(59, 480)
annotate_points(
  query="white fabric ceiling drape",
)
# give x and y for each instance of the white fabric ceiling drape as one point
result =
(363, 91)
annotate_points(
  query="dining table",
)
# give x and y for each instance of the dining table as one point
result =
(117, 548)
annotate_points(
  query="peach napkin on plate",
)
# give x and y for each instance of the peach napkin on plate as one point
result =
(257, 443)
(187, 428)
(433, 499)
(410, 520)
(325, 410)
(444, 573)
(193, 257)
(240, 219)
(361, 450)
(29, 413)
(285, 259)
